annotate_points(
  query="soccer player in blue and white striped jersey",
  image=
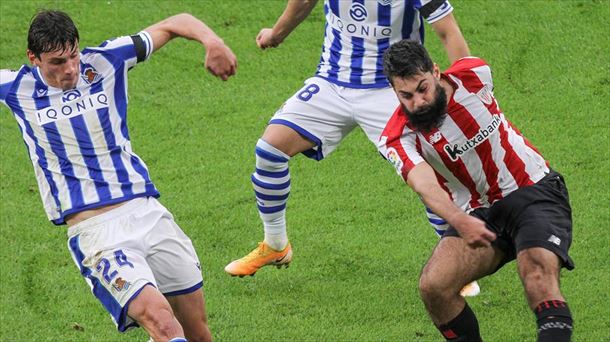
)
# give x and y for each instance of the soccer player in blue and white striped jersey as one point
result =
(349, 89)
(71, 107)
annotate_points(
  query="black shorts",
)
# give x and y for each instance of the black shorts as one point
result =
(538, 215)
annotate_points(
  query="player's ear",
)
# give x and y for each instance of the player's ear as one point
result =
(436, 71)
(32, 57)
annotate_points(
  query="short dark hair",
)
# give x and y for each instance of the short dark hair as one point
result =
(51, 31)
(405, 59)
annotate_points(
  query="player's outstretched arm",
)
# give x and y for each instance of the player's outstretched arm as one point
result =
(449, 33)
(295, 12)
(423, 180)
(219, 59)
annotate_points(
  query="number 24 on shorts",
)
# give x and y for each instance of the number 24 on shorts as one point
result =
(104, 265)
(308, 92)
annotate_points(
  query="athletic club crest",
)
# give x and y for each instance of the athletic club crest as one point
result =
(486, 94)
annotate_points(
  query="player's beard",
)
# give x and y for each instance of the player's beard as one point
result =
(431, 116)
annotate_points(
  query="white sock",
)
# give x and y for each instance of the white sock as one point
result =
(271, 182)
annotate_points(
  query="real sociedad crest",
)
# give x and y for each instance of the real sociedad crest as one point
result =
(384, 2)
(120, 284)
(90, 75)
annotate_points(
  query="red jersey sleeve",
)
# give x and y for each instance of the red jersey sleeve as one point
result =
(473, 72)
(398, 144)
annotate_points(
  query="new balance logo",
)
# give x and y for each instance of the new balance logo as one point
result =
(434, 138)
(554, 240)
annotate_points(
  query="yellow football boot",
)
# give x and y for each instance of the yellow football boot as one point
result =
(262, 255)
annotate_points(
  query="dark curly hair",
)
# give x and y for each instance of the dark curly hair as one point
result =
(405, 59)
(51, 31)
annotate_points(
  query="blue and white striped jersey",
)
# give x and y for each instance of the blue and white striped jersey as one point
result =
(78, 139)
(359, 31)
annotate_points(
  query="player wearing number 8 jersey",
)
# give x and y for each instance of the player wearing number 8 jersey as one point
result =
(71, 108)
(348, 90)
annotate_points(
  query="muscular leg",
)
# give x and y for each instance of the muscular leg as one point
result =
(539, 270)
(286, 139)
(272, 179)
(153, 312)
(271, 182)
(190, 311)
(452, 265)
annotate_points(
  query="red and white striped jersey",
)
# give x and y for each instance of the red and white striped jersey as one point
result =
(478, 156)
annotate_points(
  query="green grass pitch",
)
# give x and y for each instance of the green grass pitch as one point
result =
(359, 234)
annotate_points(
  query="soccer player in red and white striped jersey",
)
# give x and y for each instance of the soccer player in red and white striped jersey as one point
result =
(452, 144)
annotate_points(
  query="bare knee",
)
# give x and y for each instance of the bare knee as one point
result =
(286, 139)
(539, 272)
(433, 287)
(155, 315)
(159, 320)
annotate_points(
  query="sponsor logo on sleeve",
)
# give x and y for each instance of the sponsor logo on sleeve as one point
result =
(394, 159)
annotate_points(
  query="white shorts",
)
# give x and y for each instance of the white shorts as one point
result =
(325, 113)
(122, 250)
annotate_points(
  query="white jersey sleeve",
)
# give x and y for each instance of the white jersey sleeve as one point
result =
(133, 49)
(7, 77)
(434, 10)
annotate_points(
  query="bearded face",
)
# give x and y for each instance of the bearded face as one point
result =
(431, 116)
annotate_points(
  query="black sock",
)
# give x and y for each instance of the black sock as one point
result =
(463, 328)
(554, 321)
